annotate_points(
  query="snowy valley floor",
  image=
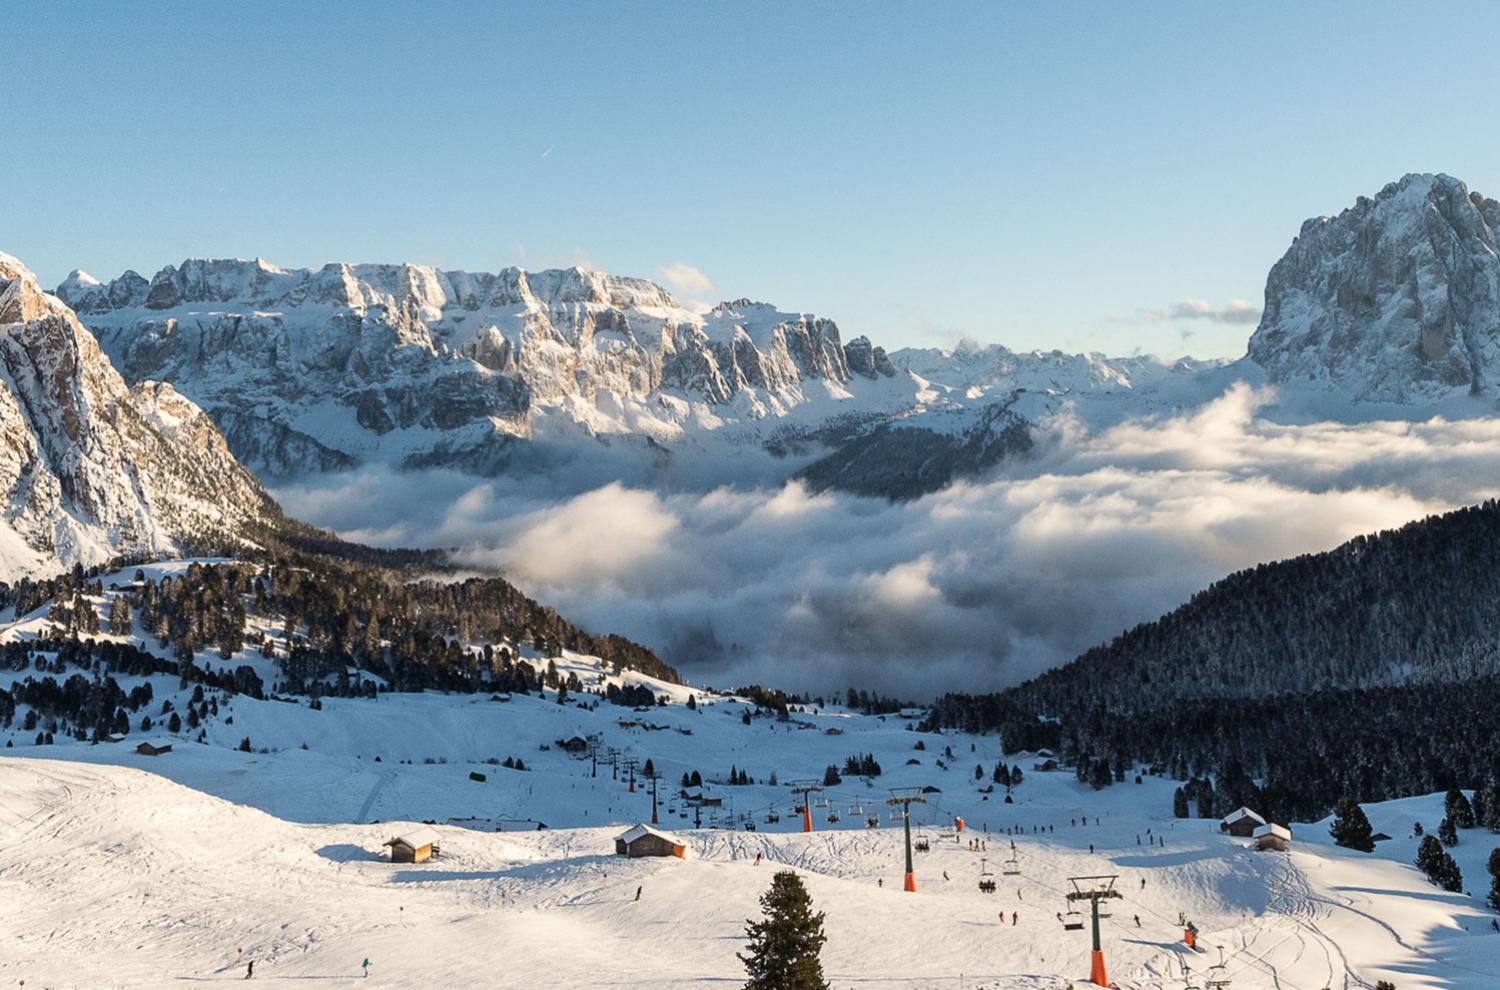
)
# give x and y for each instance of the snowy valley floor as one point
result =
(131, 871)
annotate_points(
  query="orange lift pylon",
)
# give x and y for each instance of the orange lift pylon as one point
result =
(1094, 890)
(906, 797)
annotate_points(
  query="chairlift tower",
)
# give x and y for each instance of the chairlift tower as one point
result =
(630, 766)
(1094, 890)
(807, 789)
(905, 797)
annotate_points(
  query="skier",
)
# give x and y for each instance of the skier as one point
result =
(366, 967)
(1143, 883)
(250, 969)
(880, 881)
(945, 874)
(1137, 921)
(638, 893)
(1091, 847)
(757, 859)
(1014, 917)
(1137, 840)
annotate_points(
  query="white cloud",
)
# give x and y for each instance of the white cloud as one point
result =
(977, 586)
(1235, 311)
(686, 280)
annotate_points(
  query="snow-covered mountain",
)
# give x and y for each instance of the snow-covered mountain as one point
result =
(315, 369)
(90, 468)
(1396, 299)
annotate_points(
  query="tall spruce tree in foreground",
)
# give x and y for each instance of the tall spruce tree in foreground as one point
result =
(784, 946)
(1350, 828)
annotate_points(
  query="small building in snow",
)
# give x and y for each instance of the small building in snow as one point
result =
(1272, 836)
(577, 744)
(415, 846)
(643, 840)
(154, 747)
(1242, 823)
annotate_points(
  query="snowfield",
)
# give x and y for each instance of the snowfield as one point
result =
(122, 870)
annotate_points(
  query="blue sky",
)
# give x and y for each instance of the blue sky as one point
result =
(1044, 175)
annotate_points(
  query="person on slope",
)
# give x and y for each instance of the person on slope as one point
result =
(1137, 921)
(638, 893)
(250, 969)
(1014, 917)
(366, 967)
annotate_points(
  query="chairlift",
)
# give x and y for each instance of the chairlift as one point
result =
(872, 822)
(1073, 920)
(1217, 977)
(833, 816)
(772, 818)
(922, 843)
(749, 825)
(1011, 867)
(986, 877)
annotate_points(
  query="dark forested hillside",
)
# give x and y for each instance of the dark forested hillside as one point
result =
(1368, 670)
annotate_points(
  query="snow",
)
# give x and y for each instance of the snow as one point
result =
(132, 871)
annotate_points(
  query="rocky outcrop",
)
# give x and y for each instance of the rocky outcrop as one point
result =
(91, 469)
(1396, 299)
(316, 369)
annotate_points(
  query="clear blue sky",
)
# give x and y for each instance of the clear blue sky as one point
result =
(1036, 174)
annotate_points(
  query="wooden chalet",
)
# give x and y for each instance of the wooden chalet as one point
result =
(1273, 836)
(1242, 822)
(643, 840)
(417, 845)
(154, 747)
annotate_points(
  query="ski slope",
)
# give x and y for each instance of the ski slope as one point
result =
(121, 870)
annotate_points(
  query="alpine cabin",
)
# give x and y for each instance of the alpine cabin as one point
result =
(154, 747)
(643, 840)
(1272, 836)
(416, 846)
(1242, 823)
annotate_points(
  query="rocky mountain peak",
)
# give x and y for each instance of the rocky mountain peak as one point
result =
(89, 469)
(1396, 299)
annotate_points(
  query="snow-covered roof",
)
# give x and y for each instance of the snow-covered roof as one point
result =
(159, 742)
(1273, 829)
(1235, 816)
(417, 837)
(640, 830)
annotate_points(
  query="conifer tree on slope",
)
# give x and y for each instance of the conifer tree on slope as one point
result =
(784, 946)
(1350, 828)
(1458, 808)
(1494, 869)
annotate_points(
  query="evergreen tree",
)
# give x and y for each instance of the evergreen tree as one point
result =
(784, 946)
(1350, 828)
(831, 776)
(1440, 868)
(1206, 800)
(1447, 833)
(1494, 869)
(1458, 809)
(1179, 804)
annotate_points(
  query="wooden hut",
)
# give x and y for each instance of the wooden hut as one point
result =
(1272, 836)
(1242, 823)
(154, 747)
(415, 846)
(643, 840)
(577, 744)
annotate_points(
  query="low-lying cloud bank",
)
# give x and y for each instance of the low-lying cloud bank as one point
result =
(975, 587)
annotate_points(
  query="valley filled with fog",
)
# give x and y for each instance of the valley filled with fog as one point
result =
(980, 585)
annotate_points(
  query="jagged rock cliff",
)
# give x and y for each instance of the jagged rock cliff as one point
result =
(1396, 299)
(91, 469)
(317, 369)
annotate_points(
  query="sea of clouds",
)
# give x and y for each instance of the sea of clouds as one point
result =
(976, 587)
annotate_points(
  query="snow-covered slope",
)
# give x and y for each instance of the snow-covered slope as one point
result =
(91, 469)
(1396, 299)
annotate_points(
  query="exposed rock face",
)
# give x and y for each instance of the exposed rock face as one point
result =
(1397, 299)
(318, 369)
(91, 469)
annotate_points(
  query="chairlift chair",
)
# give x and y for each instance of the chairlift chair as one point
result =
(749, 825)
(986, 877)
(922, 843)
(872, 822)
(833, 816)
(1011, 867)
(1217, 977)
(772, 818)
(1073, 920)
